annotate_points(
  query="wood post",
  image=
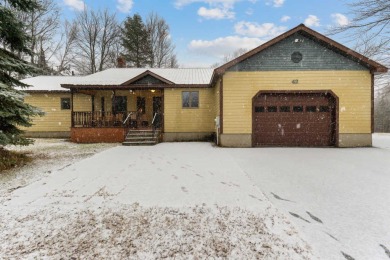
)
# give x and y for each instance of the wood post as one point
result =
(71, 105)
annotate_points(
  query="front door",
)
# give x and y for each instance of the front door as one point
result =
(157, 111)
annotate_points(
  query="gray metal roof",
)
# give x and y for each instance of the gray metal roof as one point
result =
(118, 76)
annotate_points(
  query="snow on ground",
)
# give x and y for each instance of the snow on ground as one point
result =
(49, 155)
(339, 198)
(174, 199)
(381, 140)
(194, 200)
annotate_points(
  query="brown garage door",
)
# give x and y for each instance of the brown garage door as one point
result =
(294, 119)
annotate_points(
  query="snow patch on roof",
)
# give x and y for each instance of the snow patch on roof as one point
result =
(49, 83)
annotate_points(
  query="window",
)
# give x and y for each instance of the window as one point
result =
(65, 103)
(120, 104)
(284, 109)
(324, 109)
(190, 99)
(311, 109)
(259, 109)
(296, 57)
(272, 109)
(297, 108)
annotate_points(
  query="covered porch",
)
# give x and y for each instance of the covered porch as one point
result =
(112, 113)
(138, 109)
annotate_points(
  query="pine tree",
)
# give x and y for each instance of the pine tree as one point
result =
(13, 40)
(136, 42)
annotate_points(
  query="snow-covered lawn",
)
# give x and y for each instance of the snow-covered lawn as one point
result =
(174, 199)
(195, 200)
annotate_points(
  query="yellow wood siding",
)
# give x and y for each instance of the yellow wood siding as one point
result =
(107, 100)
(353, 89)
(55, 119)
(217, 90)
(82, 102)
(181, 120)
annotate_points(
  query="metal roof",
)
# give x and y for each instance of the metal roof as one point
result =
(118, 76)
(49, 83)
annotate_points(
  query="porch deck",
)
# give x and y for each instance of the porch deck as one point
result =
(127, 127)
(104, 119)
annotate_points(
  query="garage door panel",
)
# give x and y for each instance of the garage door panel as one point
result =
(291, 119)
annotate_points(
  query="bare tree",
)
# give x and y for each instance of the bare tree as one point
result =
(228, 57)
(41, 25)
(96, 34)
(162, 50)
(370, 30)
(64, 53)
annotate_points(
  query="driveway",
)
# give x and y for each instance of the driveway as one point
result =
(340, 198)
(337, 198)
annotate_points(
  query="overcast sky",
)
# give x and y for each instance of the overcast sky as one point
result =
(204, 30)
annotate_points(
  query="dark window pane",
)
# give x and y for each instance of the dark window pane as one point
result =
(272, 109)
(324, 109)
(141, 104)
(311, 109)
(259, 109)
(186, 99)
(65, 103)
(194, 99)
(297, 108)
(120, 104)
(284, 109)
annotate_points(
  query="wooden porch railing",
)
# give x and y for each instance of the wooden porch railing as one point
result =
(100, 119)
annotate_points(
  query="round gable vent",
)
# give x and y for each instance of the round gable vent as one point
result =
(296, 57)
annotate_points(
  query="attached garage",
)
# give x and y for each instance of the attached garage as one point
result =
(294, 119)
(299, 89)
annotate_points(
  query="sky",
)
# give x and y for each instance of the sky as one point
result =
(203, 31)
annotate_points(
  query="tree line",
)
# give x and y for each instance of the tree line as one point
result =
(93, 40)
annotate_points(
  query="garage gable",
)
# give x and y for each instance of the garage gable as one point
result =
(300, 49)
(298, 52)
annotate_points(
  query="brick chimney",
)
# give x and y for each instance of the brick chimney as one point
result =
(121, 62)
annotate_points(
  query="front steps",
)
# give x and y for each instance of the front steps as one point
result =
(142, 137)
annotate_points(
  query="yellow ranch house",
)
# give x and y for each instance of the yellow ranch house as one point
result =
(299, 89)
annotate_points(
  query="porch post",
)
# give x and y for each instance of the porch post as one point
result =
(93, 109)
(71, 105)
(113, 103)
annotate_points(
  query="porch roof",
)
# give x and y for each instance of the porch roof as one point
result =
(125, 77)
